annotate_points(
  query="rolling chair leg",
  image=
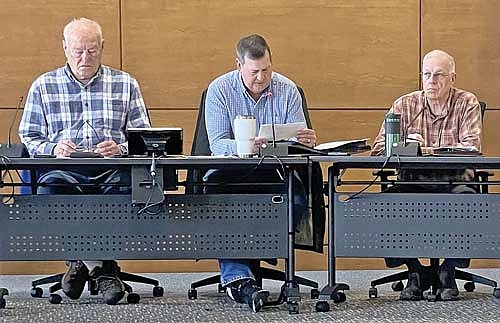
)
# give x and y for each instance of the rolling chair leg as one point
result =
(38, 291)
(3, 292)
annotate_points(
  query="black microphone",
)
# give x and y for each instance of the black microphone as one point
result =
(407, 127)
(9, 142)
(9, 149)
(413, 148)
(273, 127)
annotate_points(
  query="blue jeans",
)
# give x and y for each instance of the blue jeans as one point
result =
(232, 270)
(94, 182)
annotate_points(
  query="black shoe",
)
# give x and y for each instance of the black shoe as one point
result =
(448, 290)
(412, 291)
(249, 292)
(74, 279)
(108, 284)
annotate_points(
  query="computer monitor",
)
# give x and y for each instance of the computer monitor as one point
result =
(161, 141)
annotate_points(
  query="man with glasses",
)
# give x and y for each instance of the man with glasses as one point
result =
(83, 105)
(440, 115)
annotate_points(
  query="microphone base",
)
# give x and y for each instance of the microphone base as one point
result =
(287, 148)
(409, 149)
(13, 150)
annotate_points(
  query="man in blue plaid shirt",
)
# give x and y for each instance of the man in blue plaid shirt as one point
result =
(84, 106)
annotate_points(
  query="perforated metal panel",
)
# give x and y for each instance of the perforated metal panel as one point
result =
(108, 227)
(417, 225)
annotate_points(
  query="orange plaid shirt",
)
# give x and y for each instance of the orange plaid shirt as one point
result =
(458, 126)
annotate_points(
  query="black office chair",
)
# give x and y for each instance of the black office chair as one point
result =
(132, 298)
(91, 283)
(3, 292)
(431, 272)
(194, 185)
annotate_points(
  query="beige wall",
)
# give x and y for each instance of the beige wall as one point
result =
(352, 57)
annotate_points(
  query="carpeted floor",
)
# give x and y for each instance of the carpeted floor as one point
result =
(174, 306)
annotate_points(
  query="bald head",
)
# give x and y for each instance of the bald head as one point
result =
(442, 55)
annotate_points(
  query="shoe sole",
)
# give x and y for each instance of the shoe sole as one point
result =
(259, 299)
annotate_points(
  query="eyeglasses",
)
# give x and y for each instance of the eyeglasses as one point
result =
(438, 75)
(77, 53)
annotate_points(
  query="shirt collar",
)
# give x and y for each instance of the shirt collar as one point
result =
(72, 77)
(446, 108)
(242, 88)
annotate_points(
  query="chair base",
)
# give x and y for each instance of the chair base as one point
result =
(431, 275)
(92, 286)
(260, 274)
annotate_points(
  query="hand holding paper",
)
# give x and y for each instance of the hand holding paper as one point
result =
(283, 131)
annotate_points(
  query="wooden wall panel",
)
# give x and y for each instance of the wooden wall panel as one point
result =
(468, 30)
(31, 39)
(345, 53)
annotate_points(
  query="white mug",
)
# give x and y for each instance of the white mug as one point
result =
(244, 134)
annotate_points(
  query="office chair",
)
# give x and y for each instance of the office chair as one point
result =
(132, 298)
(92, 284)
(3, 292)
(431, 272)
(194, 185)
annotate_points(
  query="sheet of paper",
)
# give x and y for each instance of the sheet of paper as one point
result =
(283, 131)
(335, 144)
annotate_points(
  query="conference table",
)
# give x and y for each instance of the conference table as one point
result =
(154, 221)
(367, 222)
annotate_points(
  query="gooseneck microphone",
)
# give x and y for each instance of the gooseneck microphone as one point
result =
(269, 95)
(407, 127)
(9, 142)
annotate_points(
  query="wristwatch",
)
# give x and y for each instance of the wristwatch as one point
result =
(123, 149)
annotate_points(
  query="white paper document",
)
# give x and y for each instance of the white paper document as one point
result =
(336, 144)
(283, 131)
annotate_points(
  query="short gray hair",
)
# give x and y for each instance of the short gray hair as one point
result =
(441, 53)
(82, 23)
(253, 47)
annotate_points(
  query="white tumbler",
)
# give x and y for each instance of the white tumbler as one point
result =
(244, 133)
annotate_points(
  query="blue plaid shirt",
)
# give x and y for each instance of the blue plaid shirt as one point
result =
(60, 107)
(227, 98)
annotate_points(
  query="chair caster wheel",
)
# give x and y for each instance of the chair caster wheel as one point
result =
(55, 299)
(496, 292)
(36, 292)
(192, 294)
(293, 308)
(397, 286)
(158, 291)
(469, 286)
(372, 292)
(339, 297)
(133, 298)
(314, 293)
(431, 297)
(220, 289)
(322, 306)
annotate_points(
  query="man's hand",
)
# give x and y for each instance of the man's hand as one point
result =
(64, 148)
(108, 148)
(306, 137)
(416, 137)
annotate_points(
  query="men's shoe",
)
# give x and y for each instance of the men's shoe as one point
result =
(74, 279)
(413, 290)
(249, 292)
(448, 290)
(108, 284)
